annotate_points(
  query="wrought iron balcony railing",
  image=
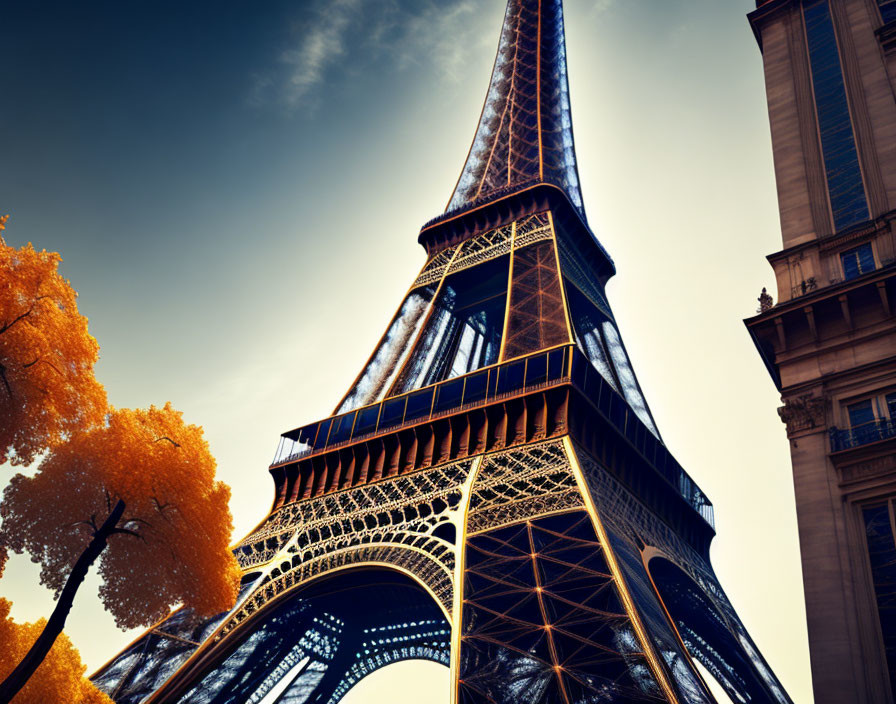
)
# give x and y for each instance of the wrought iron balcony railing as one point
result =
(561, 365)
(865, 434)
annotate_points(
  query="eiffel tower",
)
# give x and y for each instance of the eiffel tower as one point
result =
(492, 492)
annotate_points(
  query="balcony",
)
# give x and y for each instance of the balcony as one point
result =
(478, 388)
(564, 365)
(865, 434)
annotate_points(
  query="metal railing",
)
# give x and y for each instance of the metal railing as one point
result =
(561, 365)
(865, 434)
(474, 389)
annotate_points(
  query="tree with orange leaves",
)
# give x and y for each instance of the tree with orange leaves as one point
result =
(47, 387)
(141, 488)
(60, 677)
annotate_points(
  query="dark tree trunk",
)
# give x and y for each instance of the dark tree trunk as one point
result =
(18, 677)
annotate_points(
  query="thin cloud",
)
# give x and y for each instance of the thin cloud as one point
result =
(320, 48)
(410, 33)
(301, 68)
(440, 33)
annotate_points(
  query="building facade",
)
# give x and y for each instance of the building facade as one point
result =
(829, 342)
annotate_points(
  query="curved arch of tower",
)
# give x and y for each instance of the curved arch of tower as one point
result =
(491, 492)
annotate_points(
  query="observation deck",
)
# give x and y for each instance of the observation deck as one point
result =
(549, 393)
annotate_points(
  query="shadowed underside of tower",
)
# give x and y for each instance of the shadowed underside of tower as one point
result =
(491, 492)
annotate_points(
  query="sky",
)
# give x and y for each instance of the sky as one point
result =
(236, 191)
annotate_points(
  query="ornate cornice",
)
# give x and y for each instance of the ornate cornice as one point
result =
(803, 413)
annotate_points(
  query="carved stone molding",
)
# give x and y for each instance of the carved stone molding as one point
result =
(803, 413)
(870, 468)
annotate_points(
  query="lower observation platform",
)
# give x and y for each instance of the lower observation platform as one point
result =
(551, 393)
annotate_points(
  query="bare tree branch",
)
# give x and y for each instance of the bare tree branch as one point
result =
(125, 531)
(47, 362)
(5, 380)
(24, 315)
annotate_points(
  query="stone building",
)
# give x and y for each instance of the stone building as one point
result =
(829, 341)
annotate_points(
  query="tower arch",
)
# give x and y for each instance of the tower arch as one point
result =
(708, 634)
(319, 639)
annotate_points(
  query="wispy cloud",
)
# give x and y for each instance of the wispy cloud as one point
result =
(324, 45)
(331, 33)
(300, 68)
(440, 32)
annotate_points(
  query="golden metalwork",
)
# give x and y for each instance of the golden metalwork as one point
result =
(534, 480)
(489, 245)
(649, 649)
(407, 511)
(524, 133)
(536, 310)
(644, 534)
(512, 494)
(574, 270)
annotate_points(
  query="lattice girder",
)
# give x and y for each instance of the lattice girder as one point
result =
(525, 132)
(545, 551)
(316, 643)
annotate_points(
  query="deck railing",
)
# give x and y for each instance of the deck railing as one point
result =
(846, 438)
(561, 365)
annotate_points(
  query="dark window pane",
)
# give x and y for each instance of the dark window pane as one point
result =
(891, 405)
(857, 261)
(860, 413)
(393, 411)
(841, 161)
(887, 10)
(866, 258)
(419, 404)
(579, 369)
(366, 420)
(882, 555)
(342, 428)
(536, 370)
(850, 265)
(448, 395)
(511, 377)
(323, 432)
(307, 434)
(476, 387)
(555, 363)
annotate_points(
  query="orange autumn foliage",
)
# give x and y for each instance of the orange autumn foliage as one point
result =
(60, 677)
(170, 546)
(47, 387)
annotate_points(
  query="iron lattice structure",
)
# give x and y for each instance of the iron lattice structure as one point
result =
(491, 493)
